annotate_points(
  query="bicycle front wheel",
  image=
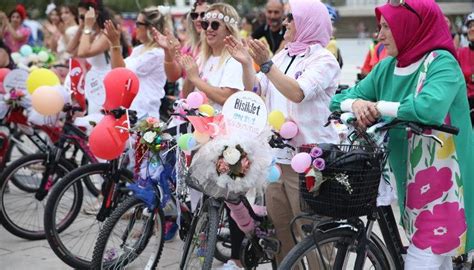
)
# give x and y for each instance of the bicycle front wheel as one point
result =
(337, 249)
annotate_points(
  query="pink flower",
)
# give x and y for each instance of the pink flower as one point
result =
(440, 230)
(222, 167)
(316, 152)
(319, 164)
(151, 120)
(429, 185)
(245, 165)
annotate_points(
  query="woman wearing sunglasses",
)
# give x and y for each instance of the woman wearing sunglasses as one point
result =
(146, 60)
(298, 81)
(421, 81)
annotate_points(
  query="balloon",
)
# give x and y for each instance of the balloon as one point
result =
(206, 109)
(276, 119)
(274, 174)
(204, 97)
(47, 100)
(41, 77)
(33, 57)
(3, 73)
(192, 142)
(16, 57)
(288, 130)
(43, 56)
(301, 162)
(121, 87)
(183, 141)
(201, 137)
(105, 141)
(194, 100)
(26, 50)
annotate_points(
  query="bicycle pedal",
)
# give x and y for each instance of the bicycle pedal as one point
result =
(270, 245)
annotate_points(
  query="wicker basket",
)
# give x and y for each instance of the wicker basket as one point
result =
(360, 166)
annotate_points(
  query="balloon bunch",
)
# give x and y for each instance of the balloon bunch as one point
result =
(286, 129)
(46, 95)
(31, 58)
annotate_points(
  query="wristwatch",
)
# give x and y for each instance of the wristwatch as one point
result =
(265, 67)
(87, 31)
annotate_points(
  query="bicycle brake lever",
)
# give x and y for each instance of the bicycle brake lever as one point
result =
(438, 140)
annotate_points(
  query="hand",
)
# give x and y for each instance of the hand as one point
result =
(61, 28)
(89, 18)
(188, 64)
(258, 51)
(238, 50)
(112, 33)
(366, 112)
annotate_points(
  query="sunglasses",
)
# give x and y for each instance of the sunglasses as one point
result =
(397, 3)
(289, 17)
(138, 24)
(214, 25)
(195, 15)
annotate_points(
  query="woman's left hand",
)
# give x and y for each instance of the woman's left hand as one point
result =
(112, 33)
(258, 51)
(188, 64)
(366, 112)
(89, 18)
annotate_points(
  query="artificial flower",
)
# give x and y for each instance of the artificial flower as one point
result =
(231, 155)
(149, 136)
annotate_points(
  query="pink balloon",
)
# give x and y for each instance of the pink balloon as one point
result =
(194, 100)
(205, 100)
(288, 130)
(301, 162)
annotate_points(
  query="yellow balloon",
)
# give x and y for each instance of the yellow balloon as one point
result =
(41, 77)
(201, 137)
(276, 119)
(206, 109)
(47, 100)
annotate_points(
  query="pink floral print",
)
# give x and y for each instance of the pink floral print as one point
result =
(429, 185)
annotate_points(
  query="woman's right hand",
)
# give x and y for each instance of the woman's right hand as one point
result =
(112, 33)
(366, 112)
(238, 50)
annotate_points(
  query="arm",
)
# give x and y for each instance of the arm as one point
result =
(113, 35)
(287, 86)
(171, 47)
(89, 48)
(17, 35)
(73, 43)
(240, 51)
(217, 94)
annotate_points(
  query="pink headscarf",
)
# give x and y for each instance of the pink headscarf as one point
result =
(313, 25)
(415, 39)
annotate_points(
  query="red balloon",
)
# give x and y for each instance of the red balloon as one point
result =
(121, 87)
(106, 141)
(3, 73)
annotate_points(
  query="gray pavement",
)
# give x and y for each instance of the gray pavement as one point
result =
(18, 254)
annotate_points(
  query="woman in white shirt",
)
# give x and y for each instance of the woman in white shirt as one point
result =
(68, 30)
(298, 81)
(216, 73)
(146, 61)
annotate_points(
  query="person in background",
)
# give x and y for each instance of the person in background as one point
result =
(421, 82)
(36, 34)
(299, 81)
(273, 30)
(51, 28)
(376, 53)
(454, 35)
(68, 30)
(332, 45)
(247, 26)
(6, 60)
(12, 31)
(466, 61)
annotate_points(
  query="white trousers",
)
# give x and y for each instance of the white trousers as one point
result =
(418, 259)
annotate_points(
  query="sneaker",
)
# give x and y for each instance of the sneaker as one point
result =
(170, 230)
(230, 265)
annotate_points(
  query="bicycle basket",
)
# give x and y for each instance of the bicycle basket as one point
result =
(352, 177)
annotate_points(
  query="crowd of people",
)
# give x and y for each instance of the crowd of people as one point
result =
(290, 61)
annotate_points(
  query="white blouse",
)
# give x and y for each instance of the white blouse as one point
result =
(148, 65)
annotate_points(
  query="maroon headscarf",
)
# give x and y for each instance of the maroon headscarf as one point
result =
(414, 38)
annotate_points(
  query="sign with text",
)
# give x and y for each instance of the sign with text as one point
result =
(95, 90)
(245, 113)
(16, 79)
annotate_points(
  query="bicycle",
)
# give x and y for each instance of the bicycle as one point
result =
(22, 207)
(337, 231)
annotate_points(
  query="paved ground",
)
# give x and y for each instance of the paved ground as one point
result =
(17, 254)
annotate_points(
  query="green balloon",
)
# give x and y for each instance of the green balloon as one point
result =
(183, 141)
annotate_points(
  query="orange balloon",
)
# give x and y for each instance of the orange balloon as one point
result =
(47, 100)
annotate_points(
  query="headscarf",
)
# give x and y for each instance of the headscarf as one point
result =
(413, 38)
(313, 25)
(21, 10)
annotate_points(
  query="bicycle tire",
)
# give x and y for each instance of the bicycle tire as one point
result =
(55, 234)
(223, 245)
(343, 236)
(111, 223)
(205, 224)
(6, 218)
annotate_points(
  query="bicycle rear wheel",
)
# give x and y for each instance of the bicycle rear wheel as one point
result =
(71, 227)
(132, 237)
(338, 249)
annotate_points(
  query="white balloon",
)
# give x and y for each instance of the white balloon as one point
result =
(43, 56)
(16, 57)
(33, 57)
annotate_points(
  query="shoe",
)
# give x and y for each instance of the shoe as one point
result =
(230, 265)
(170, 230)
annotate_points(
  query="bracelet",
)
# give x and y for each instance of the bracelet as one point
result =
(118, 47)
(169, 62)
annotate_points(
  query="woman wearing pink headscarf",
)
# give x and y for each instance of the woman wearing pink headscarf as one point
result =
(421, 81)
(298, 81)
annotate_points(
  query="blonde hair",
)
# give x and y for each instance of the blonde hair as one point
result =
(154, 18)
(232, 27)
(194, 37)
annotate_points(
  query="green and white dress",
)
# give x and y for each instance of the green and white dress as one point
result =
(434, 183)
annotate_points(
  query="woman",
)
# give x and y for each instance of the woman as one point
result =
(466, 61)
(51, 27)
(68, 30)
(6, 60)
(298, 81)
(421, 81)
(146, 61)
(12, 31)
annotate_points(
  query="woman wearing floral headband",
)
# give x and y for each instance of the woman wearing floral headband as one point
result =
(298, 81)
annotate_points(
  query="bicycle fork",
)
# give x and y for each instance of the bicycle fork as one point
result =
(362, 242)
(47, 180)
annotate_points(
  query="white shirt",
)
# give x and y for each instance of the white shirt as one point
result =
(225, 74)
(148, 65)
(317, 73)
(63, 55)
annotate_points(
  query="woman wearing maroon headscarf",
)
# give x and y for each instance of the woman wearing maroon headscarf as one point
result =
(421, 81)
(12, 31)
